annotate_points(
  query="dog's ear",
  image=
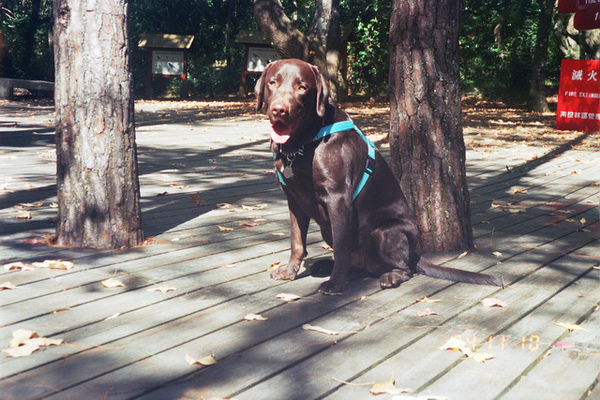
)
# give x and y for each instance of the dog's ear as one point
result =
(322, 91)
(259, 88)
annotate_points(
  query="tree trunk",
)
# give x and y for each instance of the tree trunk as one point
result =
(98, 188)
(322, 46)
(427, 146)
(537, 97)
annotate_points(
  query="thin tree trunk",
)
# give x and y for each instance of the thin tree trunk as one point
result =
(537, 97)
(427, 146)
(98, 189)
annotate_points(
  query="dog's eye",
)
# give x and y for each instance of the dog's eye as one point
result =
(302, 87)
(273, 83)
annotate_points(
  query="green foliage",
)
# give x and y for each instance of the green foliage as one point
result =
(497, 40)
(369, 51)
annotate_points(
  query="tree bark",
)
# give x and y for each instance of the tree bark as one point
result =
(537, 97)
(427, 145)
(322, 46)
(98, 188)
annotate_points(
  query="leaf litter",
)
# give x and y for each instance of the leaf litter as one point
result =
(25, 342)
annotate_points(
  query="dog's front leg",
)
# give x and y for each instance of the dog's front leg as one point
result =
(340, 213)
(298, 229)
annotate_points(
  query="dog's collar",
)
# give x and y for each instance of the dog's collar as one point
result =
(340, 127)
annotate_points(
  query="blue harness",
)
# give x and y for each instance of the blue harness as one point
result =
(340, 127)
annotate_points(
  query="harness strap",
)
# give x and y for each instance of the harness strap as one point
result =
(340, 127)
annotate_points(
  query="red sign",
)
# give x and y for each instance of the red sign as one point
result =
(579, 96)
(567, 6)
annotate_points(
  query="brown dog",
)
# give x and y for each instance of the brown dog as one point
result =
(331, 173)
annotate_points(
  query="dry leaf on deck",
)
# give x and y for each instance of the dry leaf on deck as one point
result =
(288, 297)
(491, 302)
(20, 336)
(230, 266)
(43, 342)
(24, 215)
(248, 224)
(454, 343)
(21, 351)
(582, 221)
(208, 360)
(480, 356)
(426, 299)
(254, 208)
(7, 286)
(112, 283)
(308, 327)
(224, 206)
(387, 387)
(224, 228)
(195, 198)
(570, 327)
(255, 317)
(54, 264)
(61, 310)
(18, 265)
(327, 247)
(519, 191)
(426, 313)
(498, 254)
(276, 264)
(162, 289)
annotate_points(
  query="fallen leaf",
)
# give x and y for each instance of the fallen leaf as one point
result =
(519, 191)
(255, 317)
(491, 302)
(480, 356)
(43, 342)
(582, 221)
(24, 215)
(248, 224)
(387, 387)
(327, 247)
(54, 264)
(426, 299)
(563, 344)
(208, 360)
(61, 310)
(426, 313)
(224, 228)
(21, 351)
(20, 336)
(112, 283)
(454, 343)
(497, 254)
(255, 207)
(29, 205)
(162, 289)
(17, 265)
(288, 297)
(230, 266)
(276, 264)
(115, 315)
(570, 327)
(308, 327)
(7, 286)
(224, 206)
(462, 255)
(195, 198)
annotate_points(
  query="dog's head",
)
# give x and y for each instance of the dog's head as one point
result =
(295, 95)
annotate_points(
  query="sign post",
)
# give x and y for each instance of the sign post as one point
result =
(578, 106)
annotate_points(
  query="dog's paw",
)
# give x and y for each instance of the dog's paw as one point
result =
(331, 288)
(284, 274)
(393, 278)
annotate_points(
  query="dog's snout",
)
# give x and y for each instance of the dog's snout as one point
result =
(279, 110)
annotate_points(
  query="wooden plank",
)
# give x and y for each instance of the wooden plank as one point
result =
(571, 372)
(416, 360)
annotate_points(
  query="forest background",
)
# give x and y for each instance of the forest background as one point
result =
(497, 42)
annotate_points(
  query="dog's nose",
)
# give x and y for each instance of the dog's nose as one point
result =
(279, 110)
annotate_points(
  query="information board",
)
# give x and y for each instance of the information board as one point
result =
(167, 63)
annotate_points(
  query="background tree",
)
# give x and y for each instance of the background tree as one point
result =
(98, 189)
(537, 96)
(322, 45)
(427, 146)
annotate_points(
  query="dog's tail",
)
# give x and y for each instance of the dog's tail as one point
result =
(428, 268)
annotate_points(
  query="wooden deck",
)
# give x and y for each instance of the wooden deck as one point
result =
(218, 221)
